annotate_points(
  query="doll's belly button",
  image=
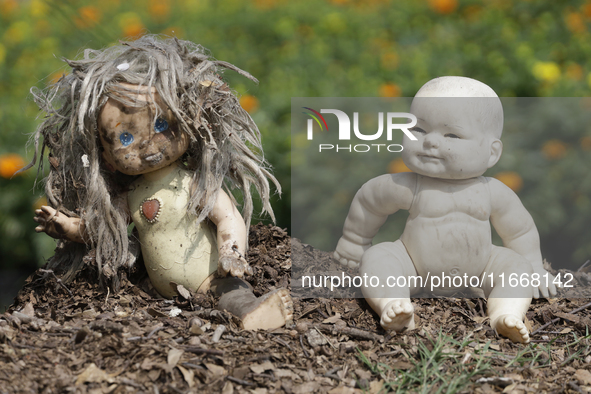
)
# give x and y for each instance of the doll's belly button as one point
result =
(454, 271)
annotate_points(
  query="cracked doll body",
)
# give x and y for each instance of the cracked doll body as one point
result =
(163, 136)
(451, 207)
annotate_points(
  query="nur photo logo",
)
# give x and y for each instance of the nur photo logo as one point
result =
(344, 130)
(315, 115)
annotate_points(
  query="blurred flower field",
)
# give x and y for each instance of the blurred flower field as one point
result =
(330, 48)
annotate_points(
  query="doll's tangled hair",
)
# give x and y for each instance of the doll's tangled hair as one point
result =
(225, 150)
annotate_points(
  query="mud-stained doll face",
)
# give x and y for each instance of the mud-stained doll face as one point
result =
(134, 143)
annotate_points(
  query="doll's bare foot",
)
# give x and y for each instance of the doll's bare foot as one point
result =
(273, 310)
(512, 327)
(398, 315)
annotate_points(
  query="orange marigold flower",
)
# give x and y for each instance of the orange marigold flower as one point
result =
(389, 60)
(134, 29)
(159, 9)
(90, 13)
(443, 6)
(7, 7)
(249, 103)
(511, 179)
(55, 77)
(131, 25)
(586, 8)
(9, 164)
(554, 149)
(575, 23)
(586, 143)
(574, 71)
(397, 165)
(472, 12)
(42, 28)
(390, 90)
(89, 17)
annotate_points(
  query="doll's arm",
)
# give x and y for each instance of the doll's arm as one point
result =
(61, 226)
(518, 231)
(231, 237)
(371, 206)
(58, 225)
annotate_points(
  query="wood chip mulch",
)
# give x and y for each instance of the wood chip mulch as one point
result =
(80, 338)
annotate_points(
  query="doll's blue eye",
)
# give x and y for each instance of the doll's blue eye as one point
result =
(160, 125)
(126, 138)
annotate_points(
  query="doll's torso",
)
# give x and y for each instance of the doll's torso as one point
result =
(448, 229)
(174, 248)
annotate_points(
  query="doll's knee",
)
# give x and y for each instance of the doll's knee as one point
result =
(387, 259)
(506, 261)
(518, 267)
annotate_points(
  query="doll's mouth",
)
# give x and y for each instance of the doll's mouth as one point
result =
(153, 158)
(430, 157)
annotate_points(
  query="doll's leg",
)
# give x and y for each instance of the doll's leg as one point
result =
(507, 305)
(389, 261)
(272, 310)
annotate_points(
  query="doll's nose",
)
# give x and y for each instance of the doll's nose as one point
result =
(431, 141)
(157, 139)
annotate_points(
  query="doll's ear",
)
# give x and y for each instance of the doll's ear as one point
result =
(496, 148)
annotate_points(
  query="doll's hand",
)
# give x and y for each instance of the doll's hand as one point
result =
(51, 222)
(547, 288)
(233, 264)
(349, 253)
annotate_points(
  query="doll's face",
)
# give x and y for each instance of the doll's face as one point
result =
(136, 144)
(452, 142)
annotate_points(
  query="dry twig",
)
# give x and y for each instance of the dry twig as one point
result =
(198, 350)
(58, 280)
(354, 332)
(239, 381)
(303, 347)
(556, 320)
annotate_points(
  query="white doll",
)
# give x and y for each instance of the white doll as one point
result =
(450, 203)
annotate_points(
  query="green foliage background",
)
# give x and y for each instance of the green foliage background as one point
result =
(338, 48)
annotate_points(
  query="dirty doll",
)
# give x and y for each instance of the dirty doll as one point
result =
(148, 132)
(450, 203)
